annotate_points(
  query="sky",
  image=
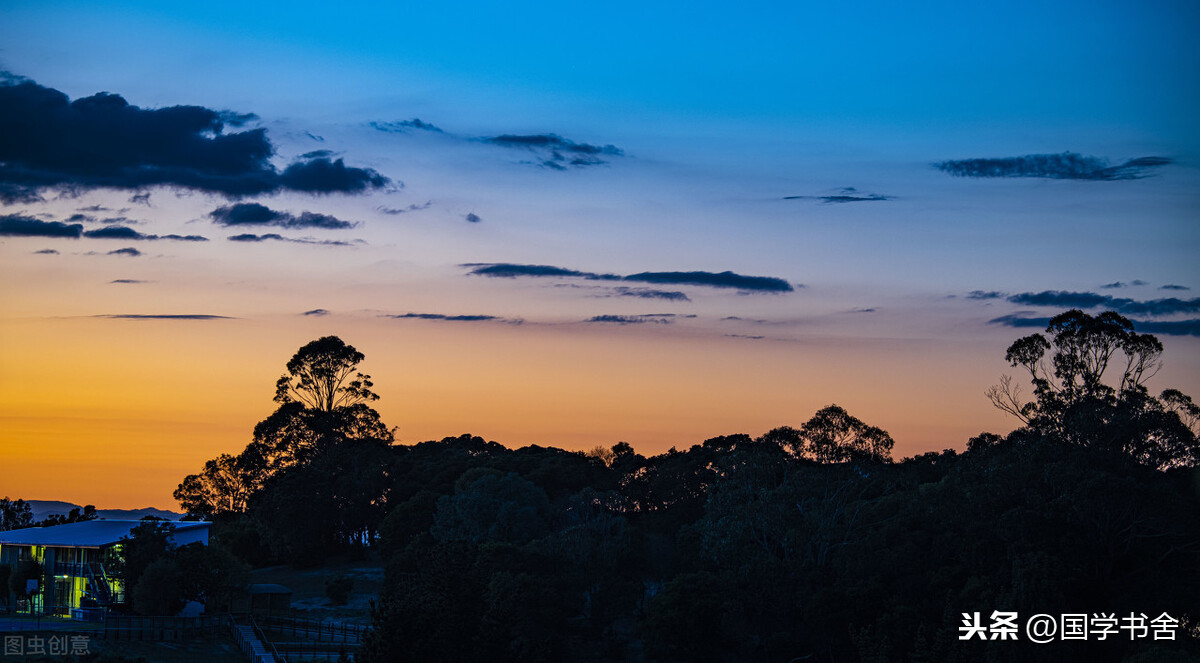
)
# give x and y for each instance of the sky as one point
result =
(571, 226)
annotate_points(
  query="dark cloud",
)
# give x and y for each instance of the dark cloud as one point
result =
(863, 310)
(448, 318)
(1063, 299)
(649, 293)
(472, 217)
(317, 154)
(705, 279)
(186, 316)
(251, 237)
(510, 270)
(116, 232)
(1172, 286)
(981, 294)
(95, 208)
(646, 318)
(405, 126)
(1121, 284)
(1175, 328)
(140, 198)
(127, 251)
(123, 232)
(276, 237)
(321, 175)
(316, 312)
(80, 218)
(255, 214)
(405, 210)
(715, 280)
(1065, 166)
(127, 281)
(846, 195)
(556, 152)
(748, 336)
(47, 252)
(16, 225)
(103, 141)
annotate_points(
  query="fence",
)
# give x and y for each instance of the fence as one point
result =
(129, 627)
(313, 630)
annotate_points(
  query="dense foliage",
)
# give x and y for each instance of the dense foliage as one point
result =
(805, 543)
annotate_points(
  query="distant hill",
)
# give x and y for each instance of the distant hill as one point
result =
(43, 508)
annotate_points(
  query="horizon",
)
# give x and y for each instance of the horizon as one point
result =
(572, 227)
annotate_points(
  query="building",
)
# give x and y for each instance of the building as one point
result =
(75, 560)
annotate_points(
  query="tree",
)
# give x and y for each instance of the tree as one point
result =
(323, 376)
(1074, 403)
(322, 410)
(15, 515)
(146, 544)
(75, 516)
(834, 436)
(159, 590)
(224, 486)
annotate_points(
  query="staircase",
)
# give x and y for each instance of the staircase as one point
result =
(247, 637)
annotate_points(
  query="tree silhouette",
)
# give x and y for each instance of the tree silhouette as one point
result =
(323, 376)
(1072, 401)
(834, 436)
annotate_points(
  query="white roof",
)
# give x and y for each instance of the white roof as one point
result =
(86, 534)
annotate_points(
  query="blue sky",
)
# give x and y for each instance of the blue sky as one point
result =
(796, 141)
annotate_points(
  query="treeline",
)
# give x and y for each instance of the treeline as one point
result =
(799, 544)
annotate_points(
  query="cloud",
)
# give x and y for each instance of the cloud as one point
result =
(140, 198)
(16, 225)
(405, 210)
(981, 294)
(705, 279)
(863, 310)
(316, 312)
(255, 214)
(646, 318)
(1121, 284)
(556, 152)
(510, 270)
(321, 175)
(276, 237)
(448, 318)
(48, 252)
(649, 293)
(126, 233)
(127, 281)
(1065, 166)
(1064, 299)
(405, 126)
(1172, 286)
(103, 141)
(127, 251)
(748, 336)
(1175, 328)
(1061, 299)
(187, 316)
(715, 280)
(472, 217)
(846, 195)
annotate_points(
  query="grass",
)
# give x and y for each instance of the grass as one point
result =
(308, 588)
